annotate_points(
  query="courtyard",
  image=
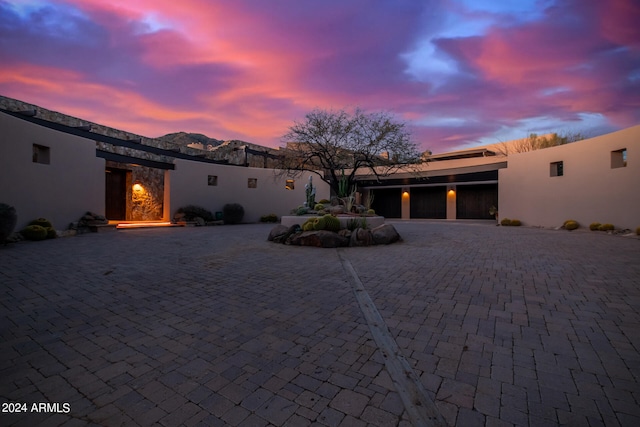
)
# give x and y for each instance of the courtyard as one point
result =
(215, 326)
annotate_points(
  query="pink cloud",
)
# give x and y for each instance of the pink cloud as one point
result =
(247, 69)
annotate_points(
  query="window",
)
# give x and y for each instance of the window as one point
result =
(40, 154)
(289, 184)
(619, 158)
(252, 183)
(212, 180)
(557, 169)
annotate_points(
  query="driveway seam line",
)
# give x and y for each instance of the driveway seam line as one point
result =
(421, 409)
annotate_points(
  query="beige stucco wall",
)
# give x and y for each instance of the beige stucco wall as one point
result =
(61, 191)
(589, 191)
(189, 186)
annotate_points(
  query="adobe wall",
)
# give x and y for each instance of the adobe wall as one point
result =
(590, 189)
(71, 184)
(189, 184)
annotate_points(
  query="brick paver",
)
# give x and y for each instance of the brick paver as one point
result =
(217, 326)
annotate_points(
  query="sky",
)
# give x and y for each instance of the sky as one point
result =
(459, 73)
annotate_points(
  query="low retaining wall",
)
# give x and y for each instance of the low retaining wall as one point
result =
(372, 221)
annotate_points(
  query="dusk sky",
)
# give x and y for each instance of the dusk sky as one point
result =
(460, 73)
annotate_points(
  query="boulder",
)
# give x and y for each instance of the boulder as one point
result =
(361, 237)
(385, 234)
(278, 230)
(320, 239)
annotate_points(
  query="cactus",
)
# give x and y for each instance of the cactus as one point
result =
(319, 224)
(331, 223)
(42, 222)
(606, 227)
(594, 226)
(318, 207)
(34, 232)
(371, 212)
(309, 224)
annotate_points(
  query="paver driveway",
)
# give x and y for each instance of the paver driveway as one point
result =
(217, 326)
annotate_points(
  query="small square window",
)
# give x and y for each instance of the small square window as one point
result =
(619, 158)
(41, 154)
(252, 183)
(212, 180)
(290, 184)
(557, 169)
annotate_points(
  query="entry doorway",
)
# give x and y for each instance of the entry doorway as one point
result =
(116, 194)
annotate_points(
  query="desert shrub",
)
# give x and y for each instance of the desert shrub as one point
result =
(506, 222)
(571, 225)
(42, 222)
(594, 226)
(269, 218)
(515, 223)
(191, 212)
(318, 207)
(606, 227)
(34, 232)
(332, 223)
(8, 219)
(232, 213)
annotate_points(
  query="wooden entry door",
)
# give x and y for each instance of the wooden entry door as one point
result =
(116, 194)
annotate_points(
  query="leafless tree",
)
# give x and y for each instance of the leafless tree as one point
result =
(338, 144)
(538, 142)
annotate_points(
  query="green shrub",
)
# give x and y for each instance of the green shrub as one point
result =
(42, 222)
(318, 207)
(302, 211)
(571, 225)
(506, 222)
(606, 227)
(269, 218)
(8, 219)
(232, 213)
(34, 232)
(332, 223)
(594, 226)
(191, 212)
(515, 223)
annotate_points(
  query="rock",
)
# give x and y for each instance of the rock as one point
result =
(345, 233)
(336, 210)
(199, 221)
(385, 234)
(278, 230)
(361, 237)
(320, 239)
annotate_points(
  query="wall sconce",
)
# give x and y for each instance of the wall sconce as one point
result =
(452, 190)
(137, 186)
(405, 193)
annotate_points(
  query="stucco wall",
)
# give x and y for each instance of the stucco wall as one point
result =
(589, 191)
(61, 191)
(189, 186)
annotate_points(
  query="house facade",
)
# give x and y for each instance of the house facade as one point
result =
(59, 167)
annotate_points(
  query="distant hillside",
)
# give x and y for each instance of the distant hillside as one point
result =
(189, 139)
